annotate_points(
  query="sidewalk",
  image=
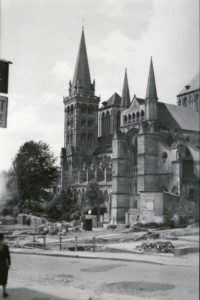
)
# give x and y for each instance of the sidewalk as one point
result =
(189, 260)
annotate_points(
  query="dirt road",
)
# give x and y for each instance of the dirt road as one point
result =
(52, 278)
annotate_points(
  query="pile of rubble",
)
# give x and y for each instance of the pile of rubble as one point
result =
(52, 228)
(156, 247)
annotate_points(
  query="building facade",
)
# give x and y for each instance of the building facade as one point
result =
(143, 154)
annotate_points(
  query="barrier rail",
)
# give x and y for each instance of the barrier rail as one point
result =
(62, 243)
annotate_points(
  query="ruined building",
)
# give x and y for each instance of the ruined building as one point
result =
(142, 153)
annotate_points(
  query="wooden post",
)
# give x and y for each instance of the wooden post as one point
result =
(94, 241)
(44, 244)
(60, 243)
(76, 243)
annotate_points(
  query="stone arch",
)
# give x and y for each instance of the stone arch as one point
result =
(133, 117)
(138, 116)
(129, 118)
(186, 159)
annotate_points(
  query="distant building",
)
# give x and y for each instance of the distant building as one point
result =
(142, 153)
(4, 76)
(190, 95)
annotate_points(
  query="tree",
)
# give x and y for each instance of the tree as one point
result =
(94, 197)
(36, 172)
(62, 206)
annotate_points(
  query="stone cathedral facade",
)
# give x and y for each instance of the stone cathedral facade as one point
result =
(143, 154)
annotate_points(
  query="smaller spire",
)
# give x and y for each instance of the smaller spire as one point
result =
(83, 24)
(151, 86)
(125, 92)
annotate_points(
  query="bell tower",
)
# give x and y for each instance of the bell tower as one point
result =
(81, 111)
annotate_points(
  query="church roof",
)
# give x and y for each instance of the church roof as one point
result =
(178, 117)
(115, 99)
(151, 85)
(140, 100)
(82, 72)
(125, 103)
(193, 85)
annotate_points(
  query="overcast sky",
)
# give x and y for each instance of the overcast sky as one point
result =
(41, 37)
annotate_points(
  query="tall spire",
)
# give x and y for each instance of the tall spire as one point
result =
(125, 92)
(81, 80)
(151, 86)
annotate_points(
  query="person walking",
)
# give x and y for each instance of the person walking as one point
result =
(5, 263)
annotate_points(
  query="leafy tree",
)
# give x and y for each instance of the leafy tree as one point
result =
(62, 206)
(94, 197)
(36, 172)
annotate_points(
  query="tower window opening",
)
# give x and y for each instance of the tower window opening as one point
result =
(83, 122)
(125, 120)
(185, 101)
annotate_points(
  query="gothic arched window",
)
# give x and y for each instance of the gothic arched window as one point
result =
(83, 138)
(118, 119)
(133, 117)
(107, 122)
(90, 123)
(90, 137)
(138, 116)
(129, 118)
(103, 124)
(142, 115)
(125, 120)
(83, 122)
(90, 109)
(185, 101)
(83, 108)
(71, 138)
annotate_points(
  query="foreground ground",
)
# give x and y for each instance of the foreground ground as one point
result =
(58, 278)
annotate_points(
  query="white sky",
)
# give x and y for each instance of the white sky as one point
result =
(41, 37)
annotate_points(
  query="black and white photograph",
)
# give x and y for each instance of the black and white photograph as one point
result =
(99, 149)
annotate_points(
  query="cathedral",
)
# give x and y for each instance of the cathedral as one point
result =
(141, 154)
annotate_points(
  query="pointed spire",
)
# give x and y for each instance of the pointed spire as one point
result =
(82, 72)
(125, 92)
(151, 86)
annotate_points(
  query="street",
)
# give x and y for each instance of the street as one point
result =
(34, 277)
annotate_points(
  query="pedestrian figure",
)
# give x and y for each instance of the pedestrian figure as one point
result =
(4, 264)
